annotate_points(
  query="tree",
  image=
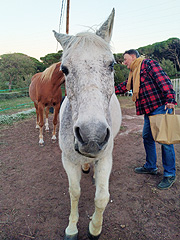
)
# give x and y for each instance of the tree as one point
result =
(168, 67)
(120, 73)
(51, 58)
(154, 51)
(118, 58)
(169, 49)
(39, 65)
(173, 52)
(15, 67)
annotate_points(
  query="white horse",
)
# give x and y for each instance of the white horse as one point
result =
(90, 118)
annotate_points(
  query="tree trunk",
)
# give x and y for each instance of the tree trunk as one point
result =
(177, 62)
(10, 85)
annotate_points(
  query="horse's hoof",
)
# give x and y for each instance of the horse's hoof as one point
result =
(91, 237)
(41, 143)
(71, 237)
(53, 138)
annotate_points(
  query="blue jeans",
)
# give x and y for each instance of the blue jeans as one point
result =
(168, 153)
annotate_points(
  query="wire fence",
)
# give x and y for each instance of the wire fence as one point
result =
(15, 107)
(17, 99)
(14, 93)
(16, 89)
(175, 82)
(176, 86)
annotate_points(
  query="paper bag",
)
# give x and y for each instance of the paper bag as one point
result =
(165, 128)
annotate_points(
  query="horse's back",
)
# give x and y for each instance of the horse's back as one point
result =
(116, 115)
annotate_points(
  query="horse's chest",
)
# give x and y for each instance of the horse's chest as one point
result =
(51, 101)
(50, 97)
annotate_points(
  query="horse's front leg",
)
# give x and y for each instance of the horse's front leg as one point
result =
(47, 123)
(56, 112)
(37, 115)
(41, 122)
(74, 175)
(102, 173)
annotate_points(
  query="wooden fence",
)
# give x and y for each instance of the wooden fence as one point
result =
(176, 86)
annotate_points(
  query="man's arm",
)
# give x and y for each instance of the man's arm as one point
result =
(121, 88)
(163, 81)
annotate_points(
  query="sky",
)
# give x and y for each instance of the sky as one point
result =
(26, 25)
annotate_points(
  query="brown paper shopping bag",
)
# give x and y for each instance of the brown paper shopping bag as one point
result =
(165, 128)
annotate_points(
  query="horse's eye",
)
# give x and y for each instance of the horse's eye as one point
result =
(111, 66)
(64, 69)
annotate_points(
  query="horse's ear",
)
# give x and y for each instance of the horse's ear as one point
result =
(105, 31)
(63, 39)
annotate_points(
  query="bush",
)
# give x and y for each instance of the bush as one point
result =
(8, 95)
(121, 73)
(9, 119)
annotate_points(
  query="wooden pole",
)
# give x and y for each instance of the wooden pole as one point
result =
(67, 28)
(67, 17)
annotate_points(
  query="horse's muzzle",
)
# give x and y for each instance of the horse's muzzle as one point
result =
(91, 141)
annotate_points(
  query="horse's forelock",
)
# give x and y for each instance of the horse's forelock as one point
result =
(88, 40)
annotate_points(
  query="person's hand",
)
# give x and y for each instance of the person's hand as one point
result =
(169, 106)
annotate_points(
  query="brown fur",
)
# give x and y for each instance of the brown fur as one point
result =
(45, 91)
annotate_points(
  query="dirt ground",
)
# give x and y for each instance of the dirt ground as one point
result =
(34, 199)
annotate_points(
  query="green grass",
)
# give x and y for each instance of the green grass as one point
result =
(10, 119)
(14, 105)
(10, 106)
(15, 109)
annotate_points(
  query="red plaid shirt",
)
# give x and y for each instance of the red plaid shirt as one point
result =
(155, 89)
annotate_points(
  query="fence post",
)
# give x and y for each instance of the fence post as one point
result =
(176, 87)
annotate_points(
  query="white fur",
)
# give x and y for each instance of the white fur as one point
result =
(53, 137)
(47, 125)
(92, 110)
(41, 141)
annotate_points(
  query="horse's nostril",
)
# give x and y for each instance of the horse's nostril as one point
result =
(107, 135)
(105, 138)
(84, 135)
(78, 135)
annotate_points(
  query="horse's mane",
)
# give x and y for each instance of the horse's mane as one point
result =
(48, 72)
(86, 40)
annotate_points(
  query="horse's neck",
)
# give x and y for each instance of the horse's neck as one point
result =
(57, 77)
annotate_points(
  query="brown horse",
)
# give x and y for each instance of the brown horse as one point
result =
(45, 91)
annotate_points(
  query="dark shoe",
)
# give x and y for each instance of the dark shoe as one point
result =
(144, 170)
(167, 182)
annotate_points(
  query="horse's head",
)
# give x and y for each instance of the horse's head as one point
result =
(87, 63)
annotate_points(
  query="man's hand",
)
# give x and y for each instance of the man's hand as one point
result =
(169, 105)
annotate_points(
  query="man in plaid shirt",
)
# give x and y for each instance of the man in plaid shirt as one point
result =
(152, 93)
